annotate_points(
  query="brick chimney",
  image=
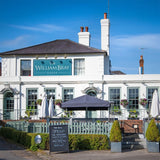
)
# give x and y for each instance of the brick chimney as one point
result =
(105, 34)
(141, 65)
(84, 37)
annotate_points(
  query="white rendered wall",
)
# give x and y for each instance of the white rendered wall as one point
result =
(94, 64)
(84, 38)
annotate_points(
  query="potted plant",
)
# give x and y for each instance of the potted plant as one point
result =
(58, 102)
(143, 101)
(153, 137)
(116, 110)
(133, 117)
(116, 137)
(39, 101)
(124, 102)
(133, 112)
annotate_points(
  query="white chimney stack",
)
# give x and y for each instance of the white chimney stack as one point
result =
(105, 37)
(84, 37)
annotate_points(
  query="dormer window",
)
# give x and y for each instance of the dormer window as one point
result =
(25, 67)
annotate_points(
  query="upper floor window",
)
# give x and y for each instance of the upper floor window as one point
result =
(25, 67)
(79, 67)
(133, 98)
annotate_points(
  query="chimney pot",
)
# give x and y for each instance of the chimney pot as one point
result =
(105, 15)
(86, 29)
(82, 29)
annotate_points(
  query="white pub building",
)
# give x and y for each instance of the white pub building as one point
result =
(65, 70)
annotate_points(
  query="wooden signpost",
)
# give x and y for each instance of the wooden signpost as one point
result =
(59, 138)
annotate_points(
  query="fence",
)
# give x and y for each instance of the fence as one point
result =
(73, 128)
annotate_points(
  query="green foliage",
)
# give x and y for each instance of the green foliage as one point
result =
(88, 142)
(115, 134)
(34, 148)
(24, 138)
(58, 102)
(17, 136)
(152, 133)
(116, 110)
(76, 142)
(39, 101)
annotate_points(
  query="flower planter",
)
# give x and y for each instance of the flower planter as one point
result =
(116, 146)
(153, 147)
(133, 118)
(116, 112)
(133, 113)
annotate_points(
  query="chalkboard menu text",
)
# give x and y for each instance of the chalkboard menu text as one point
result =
(59, 138)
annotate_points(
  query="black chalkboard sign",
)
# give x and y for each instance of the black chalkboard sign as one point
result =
(58, 138)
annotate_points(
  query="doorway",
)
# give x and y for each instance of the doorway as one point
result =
(91, 114)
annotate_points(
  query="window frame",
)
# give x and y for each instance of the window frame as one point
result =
(26, 70)
(109, 98)
(74, 70)
(50, 96)
(27, 105)
(133, 99)
(150, 101)
(63, 93)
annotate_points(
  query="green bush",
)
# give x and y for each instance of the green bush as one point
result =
(45, 141)
(24, 138)
(88, 142)
(152, 133)
(76, 142)
(115, 134)
(17, 136)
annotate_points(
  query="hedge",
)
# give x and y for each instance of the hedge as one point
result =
(76, 142)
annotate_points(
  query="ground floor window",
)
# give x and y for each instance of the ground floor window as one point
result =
(31, 100)
(150, 95)
(114, 98)
(133, 96)
(67, 94)
(50, 93)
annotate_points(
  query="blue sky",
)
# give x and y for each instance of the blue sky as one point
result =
(135, 24)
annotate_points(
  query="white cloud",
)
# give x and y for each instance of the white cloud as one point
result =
(125, 69)
(149, 41)
(14, 43)
(41, 28)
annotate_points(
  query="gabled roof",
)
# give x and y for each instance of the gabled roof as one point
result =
(64, 46)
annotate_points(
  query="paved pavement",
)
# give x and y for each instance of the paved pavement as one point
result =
(10, 151)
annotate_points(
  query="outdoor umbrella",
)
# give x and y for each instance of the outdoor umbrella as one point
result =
(51, 107)
(44, 107)
(86, 102)
(155, 108)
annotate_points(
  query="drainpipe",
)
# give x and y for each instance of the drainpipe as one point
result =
(20, 96)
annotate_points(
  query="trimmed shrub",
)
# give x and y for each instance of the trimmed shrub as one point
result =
(17, 136)
(152, 133)
(88, 142)
(115, 134)
(43, 145)
(76, 142)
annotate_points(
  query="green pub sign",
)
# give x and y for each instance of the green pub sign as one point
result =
(52, 67)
